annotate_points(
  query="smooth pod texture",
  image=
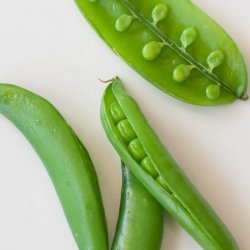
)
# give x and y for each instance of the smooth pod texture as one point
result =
(189, 37)
(169, 185)
(140, 222)
(66, 160)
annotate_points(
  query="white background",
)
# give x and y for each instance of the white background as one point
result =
(48, 47)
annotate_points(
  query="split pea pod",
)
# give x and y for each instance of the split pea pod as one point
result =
(140, 223)
(174, 45)
(66, 160)
(141, 150)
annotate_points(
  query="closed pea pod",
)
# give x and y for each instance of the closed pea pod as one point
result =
(167, 183)
(157, 37)
(66, 160)
(140, 222)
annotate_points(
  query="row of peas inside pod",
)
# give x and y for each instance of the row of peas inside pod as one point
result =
(153, 49)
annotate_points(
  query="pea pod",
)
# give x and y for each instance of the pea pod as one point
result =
(140, 223)
(67, 162)
(174, 45)
(154, 167)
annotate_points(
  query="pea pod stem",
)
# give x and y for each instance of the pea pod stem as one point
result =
(66, 160)
(181, 52)
(169, 186)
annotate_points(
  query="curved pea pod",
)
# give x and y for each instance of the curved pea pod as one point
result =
(66, 160)
(155, 37)
(154, 167)
(140, 222)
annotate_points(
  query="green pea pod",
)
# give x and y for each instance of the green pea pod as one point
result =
(141, 150)
(174, 45)
(140, 223)
(67, 162)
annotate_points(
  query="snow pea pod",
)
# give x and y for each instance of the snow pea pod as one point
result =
(174, 45)
(140, 223)
(141, 150)
(66, 160)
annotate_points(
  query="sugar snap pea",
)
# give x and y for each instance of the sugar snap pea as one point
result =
(66, 160)
(141, 150)
(174, 45)
(140, 223)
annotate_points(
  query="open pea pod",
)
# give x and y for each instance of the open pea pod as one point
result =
(174, 45)
(141, 150)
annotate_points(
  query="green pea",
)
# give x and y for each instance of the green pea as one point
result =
(159, 13)
(182, 72)
(152, 50)
(215, 59)
(123, 22)
(126, 131)
(147, 165)
(160, 180)
(188, 36)
(213, 91)
(117, 112)
(136, 149)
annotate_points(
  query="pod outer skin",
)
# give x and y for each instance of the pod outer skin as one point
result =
(102, 16)
(185, 203)
(66, 160)
(140, 223)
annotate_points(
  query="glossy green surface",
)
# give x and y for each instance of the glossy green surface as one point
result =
(189, 37)
(170, 186)
(140, 222)
(66, 160)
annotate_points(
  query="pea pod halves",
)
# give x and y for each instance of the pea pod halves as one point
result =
(141, 150)
(67, 162)
(174, 45)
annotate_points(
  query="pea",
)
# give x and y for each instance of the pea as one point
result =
(182, 72)
(213, 91)
(126, 131)
(160, 180)
(170, 187)
(215, 59)
(123, 22)
(147, 165)
(152, 50)
(136, 149)
(159, 13)
(188, 36)
(116, 112)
